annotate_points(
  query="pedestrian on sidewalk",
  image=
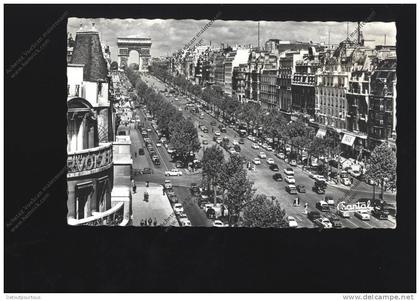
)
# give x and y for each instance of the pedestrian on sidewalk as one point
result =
(147, 183)
(150, 221)
(154, 222)
(141, 223)
(134, 185)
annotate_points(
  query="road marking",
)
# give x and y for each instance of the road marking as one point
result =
(297, 216)
(357, 226)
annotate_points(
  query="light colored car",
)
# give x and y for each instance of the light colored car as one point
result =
(256, 161)
(262, 155)
(329, 200)
(217, 133)
(178, 208)
(170, 150)
(219, 140)
(323, 222)
(289, 171)
(292, 222)
(255, 146)
(185, 222)
(280, 156)
(158, 144)
(269, 148)
(218, 223)
(343, 213)
(173, 172)
(270, 161)
(252, 138)
(319, 178)
(345, 181)
(265, 146)
(354, 173)
(232, 151)
(290, 179)
(363, 215)
(292, 163)
(235, 142)
(168, 184)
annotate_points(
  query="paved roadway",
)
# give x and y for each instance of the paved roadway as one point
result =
(262, 177)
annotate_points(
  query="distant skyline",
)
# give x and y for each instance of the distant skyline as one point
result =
(168, 36)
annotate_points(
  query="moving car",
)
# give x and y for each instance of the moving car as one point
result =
(363, 215)
(289, 179)
(235, 142)
(343, 213)
(380, 214)
(205, 142)
(141, 151)
(237, 148)
(289, 171)
(329, 200)
(291, 189)
(218, 223)
(255, 146)
(274, 167)
(262, 155)
(156, 161)
(277, 177)
(280, 156)
(158, 144)
(256, 161)
(300, 188)
(323, 206)
(178, 209)
(173, 172)
(195, 191)
(323, 222)
(313, 215)
(213, 123)
(217, 133)
(319, 186)
(292, 163)
(292, 222)
(269, 161)
(241, 141)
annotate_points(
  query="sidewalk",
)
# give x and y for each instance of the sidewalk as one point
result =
(157, 207)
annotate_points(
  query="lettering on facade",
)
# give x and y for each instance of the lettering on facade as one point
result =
(89, 161)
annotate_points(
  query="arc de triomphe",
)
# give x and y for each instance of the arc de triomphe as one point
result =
(141, 45)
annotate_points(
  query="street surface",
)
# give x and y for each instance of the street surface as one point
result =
(262, 176)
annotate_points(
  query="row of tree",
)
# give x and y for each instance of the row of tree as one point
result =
(381, 164)
(180, 132)
(229, 178)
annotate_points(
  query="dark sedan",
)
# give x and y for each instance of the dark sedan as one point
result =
(277, 177)
(301, 188)
(274, 167)
(147, 170)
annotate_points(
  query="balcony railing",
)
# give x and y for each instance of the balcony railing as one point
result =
(89, 161)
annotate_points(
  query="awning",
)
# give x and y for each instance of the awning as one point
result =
(348, 139)
(321, 133)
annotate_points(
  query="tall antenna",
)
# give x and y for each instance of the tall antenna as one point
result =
(385, 40)
(329, 38)
(258, 35)
(347, 30)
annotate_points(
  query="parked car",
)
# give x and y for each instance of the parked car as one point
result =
(323, 206)
(274, 167)
(205, 142)
(213, 123)
(256, 161)
(255, 146)
(277, 177)
(346, 181)
(292, 222)
(252, 138)
(147, 170)
(291, 189)
(289, 171)
(185, 222)
(292, 163)
(218, 223)
(300, 188)
(343, 213)
(173, 172)
(237, 148)
(380, 214)
(363, 215)
(178, 208)
(156, 161)
(269, 161)
(217, 133)
(241, 141)
(195, 191)
(141, 151)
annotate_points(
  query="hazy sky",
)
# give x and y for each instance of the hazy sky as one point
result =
(171, 35)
